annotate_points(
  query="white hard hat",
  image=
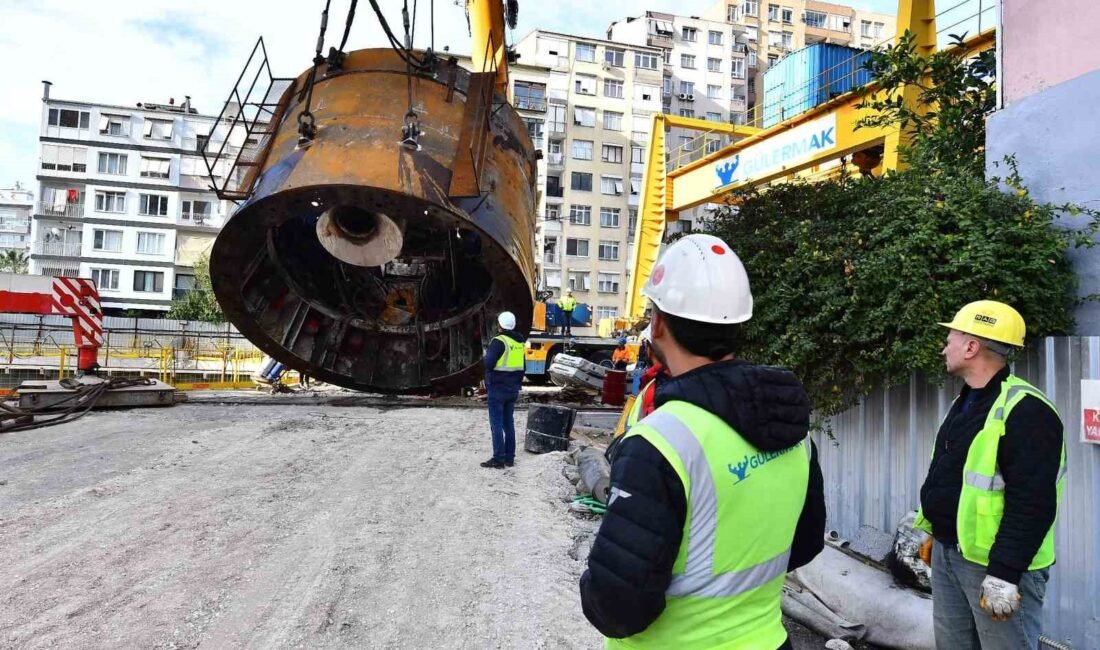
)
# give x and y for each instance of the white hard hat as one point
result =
(701, 279)
(507, 320)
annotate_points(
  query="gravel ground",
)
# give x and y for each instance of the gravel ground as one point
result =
(285, 527)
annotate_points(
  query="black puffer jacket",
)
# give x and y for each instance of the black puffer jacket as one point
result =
(630, 566)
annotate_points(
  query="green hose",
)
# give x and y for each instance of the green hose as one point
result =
(591, 504)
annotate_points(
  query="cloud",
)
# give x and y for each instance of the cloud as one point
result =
(127, 51)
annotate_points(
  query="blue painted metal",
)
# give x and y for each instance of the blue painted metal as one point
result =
(555, 317)
(810, 77)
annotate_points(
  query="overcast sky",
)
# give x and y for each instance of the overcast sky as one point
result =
(128, 51)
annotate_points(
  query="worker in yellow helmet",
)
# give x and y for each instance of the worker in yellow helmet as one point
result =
(716, 494)
(991, 496)
(567, 303)
(504, 368)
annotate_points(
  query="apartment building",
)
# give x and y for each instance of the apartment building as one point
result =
(600, 102)
(124, 199)
(774, 28)
(16, 205)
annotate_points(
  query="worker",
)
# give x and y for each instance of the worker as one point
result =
(503, 378)
(620, 358)
(991, 496)
(567, 303)
(715, 495)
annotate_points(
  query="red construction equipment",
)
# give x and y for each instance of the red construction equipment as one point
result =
(76, 298)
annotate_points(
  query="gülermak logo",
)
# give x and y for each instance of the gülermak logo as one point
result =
(769, 157)
(727, 169)
(755, 461)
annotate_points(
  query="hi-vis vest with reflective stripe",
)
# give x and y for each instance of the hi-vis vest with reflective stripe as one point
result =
(982, 501)
(512, 359)
(567, 303)
(743, 507)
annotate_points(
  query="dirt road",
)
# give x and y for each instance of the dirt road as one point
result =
(282, 527)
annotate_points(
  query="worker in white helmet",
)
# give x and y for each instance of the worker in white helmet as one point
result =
(716, 494)
(504, 365)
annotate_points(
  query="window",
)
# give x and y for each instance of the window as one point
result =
(579, 280)
(69, 119)
(534, 130)
(529, 96)
(666, 56)
(585, 84)
(753, 33)
(687, 61)
(645, 61)
(687, 112)
(733, 13)
(635, 183)
(878, 29)
(788, 15)
(150, 243)
(750, 7)
(773, 12)
(713, 145)
(198, 211)
(581, 181)
(738, 68)
(153, 205)
(645, 92)
(148, 281)
(586, 52)
(608, 282)
(609, 250)
(158, 129)
(637, 155)
(631, 223)
(815, 18)
(687, 143)
(556, 118)
(714, 38)
(660, 27)
(612, 185)
(154, 167)
(64, 159)
(752, 58)
(775, 38)
(772, 59)
(584, 116)
(576, 247)
(110, 201)
(714, 65)
(687, 88)
(108, 241)
(580, 215)
(613, 88)
(714, 117)
(689, 34)
(614, 57)
(606, 313)
(553, 186)
(105, 279)
(609, 217)
(553, 278)
(612, 153)
(112, 163)
(752, 84)
(714, 92)
(639, 136)
(612, 121)
(114, 124)
(553, 212)
(865, 28)
(582, 150)
(788, 40)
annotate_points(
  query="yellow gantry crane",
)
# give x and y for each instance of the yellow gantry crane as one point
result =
(828, 132)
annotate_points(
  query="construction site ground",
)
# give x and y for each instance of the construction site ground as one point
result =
(287, 525)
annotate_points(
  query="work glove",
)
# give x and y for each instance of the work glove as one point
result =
(999, 599)
(925, 551)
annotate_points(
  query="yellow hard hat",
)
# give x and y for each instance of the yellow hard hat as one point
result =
(991, 320)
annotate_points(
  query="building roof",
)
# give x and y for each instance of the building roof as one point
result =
(141, 106)
(601, 41)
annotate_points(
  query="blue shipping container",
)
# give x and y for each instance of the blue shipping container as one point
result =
(810, 77)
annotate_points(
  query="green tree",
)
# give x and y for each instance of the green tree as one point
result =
(13, 261)
(199, 303)
(851, 275)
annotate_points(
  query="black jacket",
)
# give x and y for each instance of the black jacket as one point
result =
(1028, 457)
(630, 566)
(502, 383)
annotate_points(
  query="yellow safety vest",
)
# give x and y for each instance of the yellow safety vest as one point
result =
(512, 359)
(982, 501)
(567, 304)
(743, 508)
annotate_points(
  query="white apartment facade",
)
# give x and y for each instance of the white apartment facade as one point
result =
(16, 206)
(601, 98)
(124, 199)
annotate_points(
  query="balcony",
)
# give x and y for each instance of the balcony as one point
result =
(556, 192)
(530, 104)
(740, 48)
(551, 258)
(56, 248)
(555, 159)
(60, 209)
(659, 40)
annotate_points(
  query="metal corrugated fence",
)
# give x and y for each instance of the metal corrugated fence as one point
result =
(874, 469)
